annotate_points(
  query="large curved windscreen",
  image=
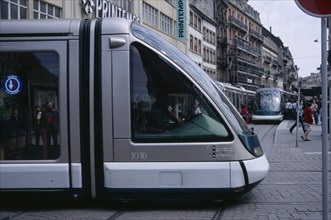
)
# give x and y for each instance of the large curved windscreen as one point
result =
(185, 63)
(268, 100)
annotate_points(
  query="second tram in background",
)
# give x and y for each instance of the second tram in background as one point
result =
(238, 95)
(269, 104)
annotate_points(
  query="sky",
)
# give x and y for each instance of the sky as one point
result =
(295, 28)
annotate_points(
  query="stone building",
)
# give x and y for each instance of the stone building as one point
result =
(244, 43)
(289, 70)
(224, 37)
(271, 60)
(202, 41)
(278, 65)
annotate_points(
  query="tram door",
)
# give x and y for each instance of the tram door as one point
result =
(34, 122)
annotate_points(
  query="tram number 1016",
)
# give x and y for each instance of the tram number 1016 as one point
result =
(139, 156)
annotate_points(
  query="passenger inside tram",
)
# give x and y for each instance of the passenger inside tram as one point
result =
(163, 113)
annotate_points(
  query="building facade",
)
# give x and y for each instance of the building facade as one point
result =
(244, 43)
(221, 8)
(272, 60)
(224, 37)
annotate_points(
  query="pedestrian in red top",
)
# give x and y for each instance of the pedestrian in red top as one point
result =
(244, 113)
(307, 120)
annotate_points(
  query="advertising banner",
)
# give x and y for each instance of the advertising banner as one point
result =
(181, 28)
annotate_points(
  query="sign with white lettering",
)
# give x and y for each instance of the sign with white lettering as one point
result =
(106, 9)
(181, 20)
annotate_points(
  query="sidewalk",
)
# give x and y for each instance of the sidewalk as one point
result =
(293, 188)
(283, 136)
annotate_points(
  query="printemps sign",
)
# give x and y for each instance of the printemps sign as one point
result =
(104, 8)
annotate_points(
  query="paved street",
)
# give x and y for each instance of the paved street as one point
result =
(293, 188)
(291, 191)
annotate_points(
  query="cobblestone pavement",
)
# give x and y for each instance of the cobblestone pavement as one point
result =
(293, 187)
(291, 191)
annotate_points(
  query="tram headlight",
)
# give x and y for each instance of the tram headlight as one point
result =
(258, 151)
(252, 144)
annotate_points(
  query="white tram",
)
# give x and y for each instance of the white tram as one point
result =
(270, 103)
(106, 109)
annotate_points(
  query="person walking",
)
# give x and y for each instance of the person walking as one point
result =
(298, 111)
(307, 120)
(244, 113)
(288, 110)
(314, 108)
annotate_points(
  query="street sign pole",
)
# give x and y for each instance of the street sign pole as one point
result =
(322, 9)
(325, 184)
(297, 109)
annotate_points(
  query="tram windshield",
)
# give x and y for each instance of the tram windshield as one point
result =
(192, 69)
(268, 100)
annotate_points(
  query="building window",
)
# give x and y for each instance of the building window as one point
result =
(199, 24)
(209, 55)
(191, 42)
(195, 21)
(209, 36)
(43, 10)
(171, 2)
(166, 24)
(150, 15)
(13, 9)
(195, 44)
(199, 47)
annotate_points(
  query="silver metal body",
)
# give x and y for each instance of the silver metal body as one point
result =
(100, 153)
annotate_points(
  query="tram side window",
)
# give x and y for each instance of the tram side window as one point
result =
(29, 119)
(166, 106)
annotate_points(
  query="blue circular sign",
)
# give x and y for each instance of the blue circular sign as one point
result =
(12, 85)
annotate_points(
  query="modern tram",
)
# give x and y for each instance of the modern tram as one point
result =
(269, 104)
(105, 109)
(238, 95)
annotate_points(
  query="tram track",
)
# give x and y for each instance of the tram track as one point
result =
(117, 214)
(265, 134)
(14, 215)
(219, 213)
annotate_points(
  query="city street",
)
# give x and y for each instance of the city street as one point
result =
(292, 189)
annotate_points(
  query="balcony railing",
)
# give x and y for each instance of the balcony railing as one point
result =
(236, 22)
(245, 46)
(256, 35)
(249, 69)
